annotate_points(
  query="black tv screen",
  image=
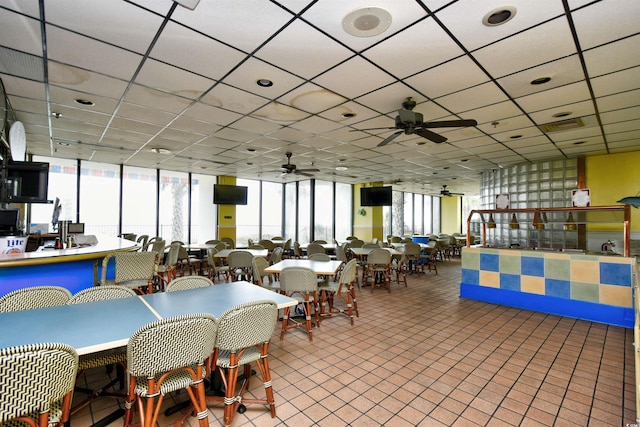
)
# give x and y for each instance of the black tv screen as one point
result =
(229, 194)
(375, 196)
(27, 182)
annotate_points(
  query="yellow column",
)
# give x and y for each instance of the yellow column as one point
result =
(227, 213)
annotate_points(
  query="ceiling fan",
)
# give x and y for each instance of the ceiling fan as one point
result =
(410, 122)
(445, 192)
(288, 168)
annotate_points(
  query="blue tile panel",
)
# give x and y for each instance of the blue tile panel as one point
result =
(489, 262)
(470, 277)
(510, 281)
(532, 266)
(557, 288)
(615, 274)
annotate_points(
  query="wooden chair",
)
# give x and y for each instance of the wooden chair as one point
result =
(243, 338)
(165, 356)
(300, 283)
(37, 384)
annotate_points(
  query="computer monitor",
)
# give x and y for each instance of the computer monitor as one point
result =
(9, 222)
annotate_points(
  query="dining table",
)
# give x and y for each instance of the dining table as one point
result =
(321, 268)
(255, 252)
(363, 252)
(102, 325)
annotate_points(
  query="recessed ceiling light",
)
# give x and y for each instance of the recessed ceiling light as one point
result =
(420, 143)
(63, 144)
(499, 16)
(348, 115)
(367, 22)
(563, 114)
(56, 114)
(579, 142)
(341, 168)
(84, 102)
(160, 150)
(464, 160)
(251, 150)
(541, 80)
(249, 164)
(515, 136)
(264, 82)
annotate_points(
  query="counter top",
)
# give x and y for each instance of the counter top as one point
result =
(105, 245)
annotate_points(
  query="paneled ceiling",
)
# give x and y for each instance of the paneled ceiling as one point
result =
(162, 77)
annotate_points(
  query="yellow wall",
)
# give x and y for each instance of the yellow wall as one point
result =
(612, 177)
(450, 213)
(227, 213)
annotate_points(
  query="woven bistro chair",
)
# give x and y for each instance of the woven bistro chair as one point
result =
(315, 248)
(276, 255)
(36, 383)
(34, 297)
(188, 282)
(167, 271)
(116, 356)
(230, 244)
(378, 268)
(344, 289)
(240, 265)
(165, 356)
(261, 278)
(412, 255)
(300, 283)
(243, 338)
(215, 267)
(135, 270)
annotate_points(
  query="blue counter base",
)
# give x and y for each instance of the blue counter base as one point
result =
(608, 314)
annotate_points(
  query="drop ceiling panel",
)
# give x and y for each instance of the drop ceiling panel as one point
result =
(312, 98)
(147, 97)
(447, 78)
(621, 81)
(354, 78)
(184, 48)
(29, 29)
(233, 99)
(419, 47)
(613, 21)
(612, 57)
(248, 73)
(65, 46)
(472, 98)
(544, 43)
(164, 77)
(555, 97)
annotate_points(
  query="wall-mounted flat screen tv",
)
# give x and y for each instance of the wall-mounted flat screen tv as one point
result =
(229, 194)
(375, 196)
(26, 182)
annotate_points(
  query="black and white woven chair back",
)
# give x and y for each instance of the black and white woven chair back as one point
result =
(379, 256)
(239, 259)
(34, 378)
(188, 282)
(298, 279)
(101, 293)
(34, 297)
(349, 272)
(171, 343)
(135, 265)
(246, 325)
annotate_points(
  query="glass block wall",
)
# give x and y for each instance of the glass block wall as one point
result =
(529, 185)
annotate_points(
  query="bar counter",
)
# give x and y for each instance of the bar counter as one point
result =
(73, 268)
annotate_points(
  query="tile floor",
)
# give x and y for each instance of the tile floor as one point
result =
(422, 356)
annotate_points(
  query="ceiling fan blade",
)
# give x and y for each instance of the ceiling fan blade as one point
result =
(390, 138)
(450, 124)
(307, 170)
(431, 136)
(300, 172)
(359, 130)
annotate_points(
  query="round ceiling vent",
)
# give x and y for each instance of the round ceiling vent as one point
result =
(367, 22)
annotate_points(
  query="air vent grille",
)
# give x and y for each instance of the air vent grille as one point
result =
(562, 125)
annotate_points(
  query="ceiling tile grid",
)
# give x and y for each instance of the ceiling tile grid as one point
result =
(231, 87)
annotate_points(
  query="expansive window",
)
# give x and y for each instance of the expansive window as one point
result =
(304, 211)
(99, 209)
(397, 210)
(323, 211)
(344, 209)
(63, 174)
(248, 216)
(139, 195)
(174, 206)
(408, 214)
(435, 211)
(290, 211)
(418, 218)
(204, 218)
(271, 209)
(428, 215)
